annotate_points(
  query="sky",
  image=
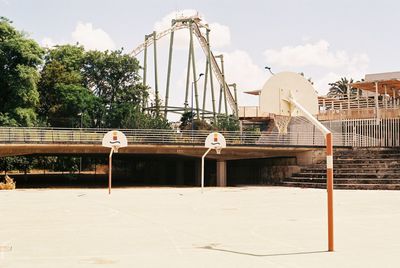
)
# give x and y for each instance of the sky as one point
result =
(325, 40)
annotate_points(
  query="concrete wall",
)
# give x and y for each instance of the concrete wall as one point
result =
(267, 171)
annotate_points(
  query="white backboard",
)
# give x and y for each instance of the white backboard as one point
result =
(277, 90)
(114, 138)
(215, 140)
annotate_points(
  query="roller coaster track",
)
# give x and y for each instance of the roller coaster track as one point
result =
(194, 24)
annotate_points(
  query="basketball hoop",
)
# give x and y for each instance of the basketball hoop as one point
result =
(113, 139)
(115, 148)
(282, 122)
(214, 141)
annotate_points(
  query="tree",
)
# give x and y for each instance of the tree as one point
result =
(114, 78)
(228, 123)
(338, 89)
(19, 59)
(99, 89)
(61, 83)
(77, 106)
(186, 119)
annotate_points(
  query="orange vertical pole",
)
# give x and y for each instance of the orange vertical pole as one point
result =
(329, 187)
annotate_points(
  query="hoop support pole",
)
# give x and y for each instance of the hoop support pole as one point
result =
(202, 168)
(329, 188)
(110, 170)
(329, 168)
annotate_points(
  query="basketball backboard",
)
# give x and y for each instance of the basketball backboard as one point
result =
(215, 140)
(114, 139)
(275, 94)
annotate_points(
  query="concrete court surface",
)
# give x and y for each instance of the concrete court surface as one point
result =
(180, 227)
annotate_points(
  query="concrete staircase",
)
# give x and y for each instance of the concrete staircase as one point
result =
(369, 169)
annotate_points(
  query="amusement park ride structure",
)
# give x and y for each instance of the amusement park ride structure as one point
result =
(226, 99)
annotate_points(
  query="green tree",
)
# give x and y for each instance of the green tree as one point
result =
(77, 105)
(103, 89)
(186, 119)
(338, 89)
(114, 78)
(19, 59)
(188, 122)
(228, 123)
(62, 93)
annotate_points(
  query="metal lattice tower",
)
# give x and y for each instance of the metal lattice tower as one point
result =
(212, 69)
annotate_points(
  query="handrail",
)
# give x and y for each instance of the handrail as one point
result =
(15, 135)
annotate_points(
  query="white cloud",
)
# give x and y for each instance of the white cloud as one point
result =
(92, 38)
(85, 34)
(48, 42)
(314, 54)
(240, 69)
(220, 34)
(320, 61)
(321, 84)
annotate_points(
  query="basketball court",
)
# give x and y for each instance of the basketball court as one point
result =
(181, 227)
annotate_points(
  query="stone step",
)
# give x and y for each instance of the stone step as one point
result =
(343, 180)
(345, 170)
(362, 160)
(372, 168)
(365, 161)
(336, 165)
(367, 151)
(367, 156)
(350, 175)
(344, 186)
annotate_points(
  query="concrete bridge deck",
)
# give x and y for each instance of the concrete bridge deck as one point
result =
(230, 153)
(240, 145)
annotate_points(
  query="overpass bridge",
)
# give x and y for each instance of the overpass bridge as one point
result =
(240, 145)
(304, 147)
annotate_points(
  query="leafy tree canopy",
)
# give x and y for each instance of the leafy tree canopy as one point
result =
(338, 89)
(19, 59)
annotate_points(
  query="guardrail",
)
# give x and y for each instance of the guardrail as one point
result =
(9, 135)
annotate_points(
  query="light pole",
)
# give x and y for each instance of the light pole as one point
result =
(81, 115)
(269, 69)
(192, 115)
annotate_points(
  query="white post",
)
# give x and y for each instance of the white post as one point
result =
(202, 168)
(310, 117)
(348, 97)
(385, 98)
(329, 168)
(376, 102)
(110, 169)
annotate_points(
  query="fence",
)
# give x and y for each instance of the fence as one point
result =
(354, 133)
(357, 132)
(155, 136)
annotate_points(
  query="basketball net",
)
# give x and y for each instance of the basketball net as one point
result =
(282, 122)
(218, 150)
(115, 148)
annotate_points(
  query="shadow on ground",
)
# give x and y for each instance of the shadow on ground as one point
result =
(263, 255)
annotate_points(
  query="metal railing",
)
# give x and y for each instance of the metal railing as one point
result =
(329, 105)
(9, 135)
